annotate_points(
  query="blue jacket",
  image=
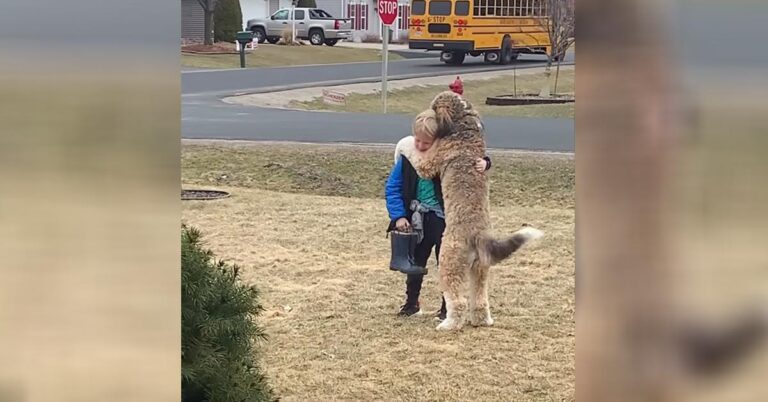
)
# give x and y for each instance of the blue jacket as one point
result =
(393, 192)
(401, 188)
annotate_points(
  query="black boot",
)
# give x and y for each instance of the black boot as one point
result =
(412, 292)
(409, 309)
(403, 246)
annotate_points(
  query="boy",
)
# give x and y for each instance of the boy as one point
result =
(405, 186)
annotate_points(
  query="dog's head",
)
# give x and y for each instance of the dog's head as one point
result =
(450, 109)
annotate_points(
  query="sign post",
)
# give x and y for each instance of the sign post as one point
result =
(293, 22)
(388, 14)
(384, 64)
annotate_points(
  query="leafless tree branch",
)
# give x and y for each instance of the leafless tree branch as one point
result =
(560, 26)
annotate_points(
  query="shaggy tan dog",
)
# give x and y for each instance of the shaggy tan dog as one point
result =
(468, 250)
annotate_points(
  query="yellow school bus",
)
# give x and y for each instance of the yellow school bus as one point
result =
(498, 29)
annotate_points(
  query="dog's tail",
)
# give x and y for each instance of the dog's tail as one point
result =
(492, 251)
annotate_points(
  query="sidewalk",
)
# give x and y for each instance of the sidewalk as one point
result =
(284, 99)
(401, 49)
(377, 46)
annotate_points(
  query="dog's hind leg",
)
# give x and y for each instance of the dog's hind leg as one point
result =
(472, 287)
(480, 311)
(453, 273)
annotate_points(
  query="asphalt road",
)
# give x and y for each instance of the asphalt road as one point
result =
(204, 116)
(234, 122)
(225, 82)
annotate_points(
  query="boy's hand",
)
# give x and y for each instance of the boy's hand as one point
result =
(403, 225)
(481, 165)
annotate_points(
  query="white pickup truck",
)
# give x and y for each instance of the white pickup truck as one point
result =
(311, 23)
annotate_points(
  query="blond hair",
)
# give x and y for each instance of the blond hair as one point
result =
(425, 123)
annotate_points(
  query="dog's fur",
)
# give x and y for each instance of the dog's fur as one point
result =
(468, 250)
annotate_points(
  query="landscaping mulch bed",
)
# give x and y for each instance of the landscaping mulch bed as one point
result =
(216, 48)
(187, 195)
(527, 99)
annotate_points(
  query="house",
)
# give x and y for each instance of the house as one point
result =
(366, 22)
(193, 17)
(365, 19)
(192, 21)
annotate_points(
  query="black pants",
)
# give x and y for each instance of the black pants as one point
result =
(433, 234)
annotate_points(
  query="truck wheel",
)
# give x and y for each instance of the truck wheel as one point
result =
(259, 35)
(316, 37)
(331, 42)
(273, 39)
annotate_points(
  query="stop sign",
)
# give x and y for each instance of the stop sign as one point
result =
(388, 11)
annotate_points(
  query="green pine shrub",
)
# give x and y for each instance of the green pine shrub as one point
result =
(219, 361)
(227, 20)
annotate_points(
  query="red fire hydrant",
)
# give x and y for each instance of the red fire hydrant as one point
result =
(457, 86)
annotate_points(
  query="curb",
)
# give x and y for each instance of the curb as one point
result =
(196, 52)
(365, 80)
(388, 145)
(407, 54)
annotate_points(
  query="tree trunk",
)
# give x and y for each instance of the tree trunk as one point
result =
(545, 91)
(209, 26)
(514, 78)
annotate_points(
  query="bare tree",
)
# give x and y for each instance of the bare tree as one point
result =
(209, 7)
(560, 25)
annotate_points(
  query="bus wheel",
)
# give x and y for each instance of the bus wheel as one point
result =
(455, 58)
(492, 57)
(507, 53)
(475, 54)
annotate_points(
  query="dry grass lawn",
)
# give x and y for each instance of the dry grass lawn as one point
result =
(267, 55)
(307, 224)
(412, 100)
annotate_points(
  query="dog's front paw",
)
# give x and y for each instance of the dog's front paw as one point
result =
(485, 322)
(449, 325)
(480, 319)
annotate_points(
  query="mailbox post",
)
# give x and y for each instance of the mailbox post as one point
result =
(244, 38)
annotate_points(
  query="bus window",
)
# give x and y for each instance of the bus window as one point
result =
(485, 7)
(507, 8)
(439, 7)
(418, 7)
(462, 8)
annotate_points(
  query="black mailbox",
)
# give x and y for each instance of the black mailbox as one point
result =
(245, 37)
